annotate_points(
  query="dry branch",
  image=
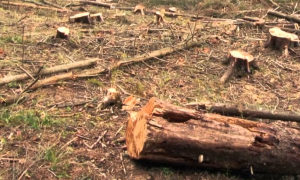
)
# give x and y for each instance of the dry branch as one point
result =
(97, 3)
(231, 110)
(55, 69)
(33, 6)
(165, 133)
(285, 16)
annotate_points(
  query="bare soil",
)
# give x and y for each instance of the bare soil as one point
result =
(49, 135)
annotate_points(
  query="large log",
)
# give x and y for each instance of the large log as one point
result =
(166, 133)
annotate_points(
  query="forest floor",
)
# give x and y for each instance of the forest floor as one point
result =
(49, 134)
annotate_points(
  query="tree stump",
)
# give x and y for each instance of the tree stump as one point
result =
(166, 133)
(81, 17)
(97, 17)
(63, 33)
(139, 8)
(112, 97)
(160, 16)
(282, 40)
(238, 60)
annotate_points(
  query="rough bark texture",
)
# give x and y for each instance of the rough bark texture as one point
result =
(231, 110)
(170, 134)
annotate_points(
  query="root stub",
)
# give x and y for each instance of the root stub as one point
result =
(167, 133)
(238, 60)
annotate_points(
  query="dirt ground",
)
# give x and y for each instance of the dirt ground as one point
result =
(50, 134)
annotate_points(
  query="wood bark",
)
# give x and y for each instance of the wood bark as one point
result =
(231, 110)
(33, 6)
(51, 70)
(165, 133)
(285, 16)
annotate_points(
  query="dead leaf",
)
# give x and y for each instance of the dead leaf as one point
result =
(180, 62)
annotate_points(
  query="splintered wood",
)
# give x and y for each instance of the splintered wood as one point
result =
(166, 133)
(238, 60)
(282, 40)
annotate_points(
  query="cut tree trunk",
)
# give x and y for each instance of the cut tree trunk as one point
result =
(165, 133)
(238, 60)
(63, 33)
(81, 17)
(282, 40)
(231, 110)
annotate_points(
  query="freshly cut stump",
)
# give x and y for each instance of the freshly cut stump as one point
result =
(238, 59)
(282, 40)
(139, 8)
(97, 17)
(160, 16)
(63, 33)
(81, 17)
(166, 133)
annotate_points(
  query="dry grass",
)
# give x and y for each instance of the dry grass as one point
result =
(45, 135)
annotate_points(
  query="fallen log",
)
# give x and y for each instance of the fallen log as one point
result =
(166, 133)
(231, 110)
(285, 16)
(32, 6)
(51, 70)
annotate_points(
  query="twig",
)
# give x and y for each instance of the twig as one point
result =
(95, 143)
(52, 4)
(28, 87)
(21, 176)
(25, 71)
(119, 130)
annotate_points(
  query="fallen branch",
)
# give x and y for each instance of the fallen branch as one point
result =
(33, 6)
(230, 110)
(166, 133)
(285, 16)
(110, 6)
(94, 71)
(51, 70)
